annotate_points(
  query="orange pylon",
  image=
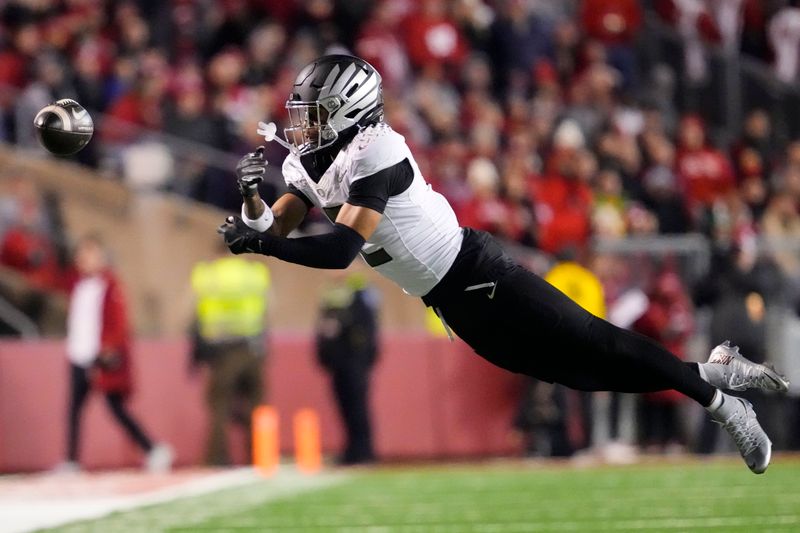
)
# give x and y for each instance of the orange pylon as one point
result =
(266, 446)
(307, 447)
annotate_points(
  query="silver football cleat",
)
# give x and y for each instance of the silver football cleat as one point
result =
(728, 369)
(736, 415)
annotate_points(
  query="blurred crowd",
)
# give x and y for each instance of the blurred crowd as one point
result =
(539, 120)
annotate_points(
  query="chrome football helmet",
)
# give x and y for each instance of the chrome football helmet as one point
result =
(330, 96)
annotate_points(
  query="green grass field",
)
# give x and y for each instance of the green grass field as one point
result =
(502, 497)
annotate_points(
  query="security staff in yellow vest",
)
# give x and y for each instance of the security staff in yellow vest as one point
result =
(229, 336)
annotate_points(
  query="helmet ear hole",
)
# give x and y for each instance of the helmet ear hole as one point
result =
(331, 104)
(351, 114)
(352, 90)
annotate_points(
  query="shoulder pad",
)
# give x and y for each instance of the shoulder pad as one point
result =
(374, 149)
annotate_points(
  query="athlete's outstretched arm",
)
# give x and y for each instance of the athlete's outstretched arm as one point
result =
(286, 213)
(356, 222)
(334, 250)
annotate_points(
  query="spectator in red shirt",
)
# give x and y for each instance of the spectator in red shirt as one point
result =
(31, 253)
(98, 348)
(142, 104)
(564, 202)
(26, 43)
(26, 245)
(705, 172)
(379, 46)
(611, 21)
(615, 24)
(432, 39)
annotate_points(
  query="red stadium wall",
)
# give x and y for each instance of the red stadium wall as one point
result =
(431, 399)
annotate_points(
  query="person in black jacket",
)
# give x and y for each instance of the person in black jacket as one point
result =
(347, 350)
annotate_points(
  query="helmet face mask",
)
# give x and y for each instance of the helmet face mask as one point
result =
(308, 129)
(331, 95)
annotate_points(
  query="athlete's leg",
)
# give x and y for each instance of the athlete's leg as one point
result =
(626, 361)
(520, 322)
(601, 356)
(529, 326)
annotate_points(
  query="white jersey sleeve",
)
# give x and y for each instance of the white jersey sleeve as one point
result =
(293, 172)
(375, 149)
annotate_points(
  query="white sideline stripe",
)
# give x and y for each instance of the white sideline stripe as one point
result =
(25, 515)
(528, 527)
(681, 524)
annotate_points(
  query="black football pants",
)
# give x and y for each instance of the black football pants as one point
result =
(351, 388)
(518, 321)
(79, 391)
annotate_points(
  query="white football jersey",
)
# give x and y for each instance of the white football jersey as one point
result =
(418, 237)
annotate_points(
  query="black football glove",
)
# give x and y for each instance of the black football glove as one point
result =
(239, 237)
(250, 172)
